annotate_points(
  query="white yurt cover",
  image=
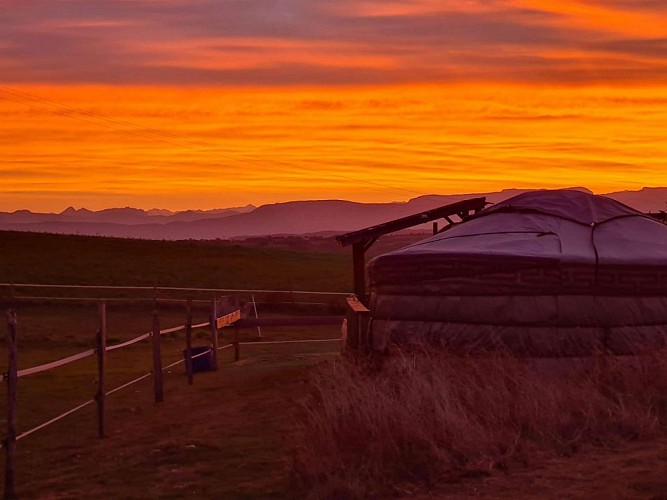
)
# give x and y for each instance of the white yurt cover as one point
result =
(546, 273)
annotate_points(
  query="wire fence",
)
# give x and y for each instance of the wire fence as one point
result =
(155, 289)
(90, 352)
(108, 393)
(13, 374)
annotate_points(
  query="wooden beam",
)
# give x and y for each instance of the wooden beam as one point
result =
(363, 239)
(364, 235)
(659, 216)
(370, 242)
(359, 269)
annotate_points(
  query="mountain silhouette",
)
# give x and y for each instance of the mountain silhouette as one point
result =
(289, 218)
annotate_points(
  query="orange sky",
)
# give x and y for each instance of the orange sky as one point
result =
(189, 105)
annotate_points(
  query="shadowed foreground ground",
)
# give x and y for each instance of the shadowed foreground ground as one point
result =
(229, 436)
(225, 437)
(631, 470)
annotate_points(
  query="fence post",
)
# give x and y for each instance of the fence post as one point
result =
(254, 305)
(358, 317)
(157, 358)
(100, 397)
(237, 346)
(188, 341)
(214, 332)
(10, 441)
(352, 318)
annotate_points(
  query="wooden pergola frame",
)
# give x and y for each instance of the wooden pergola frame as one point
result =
(363, 239)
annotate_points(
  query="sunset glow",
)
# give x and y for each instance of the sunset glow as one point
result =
(188, 105)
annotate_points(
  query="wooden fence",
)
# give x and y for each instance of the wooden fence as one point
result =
(219, 317)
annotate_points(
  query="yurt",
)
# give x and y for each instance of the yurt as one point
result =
(543, 274)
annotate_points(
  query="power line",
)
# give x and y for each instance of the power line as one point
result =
(64, 110)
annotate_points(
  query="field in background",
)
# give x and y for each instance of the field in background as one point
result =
(89, 260)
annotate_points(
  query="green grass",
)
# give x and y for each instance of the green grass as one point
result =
(88, 260)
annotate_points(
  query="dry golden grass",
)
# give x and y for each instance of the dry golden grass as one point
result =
(428, 417)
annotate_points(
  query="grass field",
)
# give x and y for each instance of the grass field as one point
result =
(244, 431)
(87, 260)
(228, 436)
(213, 439)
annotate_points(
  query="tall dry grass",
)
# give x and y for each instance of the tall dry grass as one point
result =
(426, 417)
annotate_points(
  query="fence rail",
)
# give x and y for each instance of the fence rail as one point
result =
(55, 364)
(108, 393)
(46, 298)
(170, 289)
(90, 352)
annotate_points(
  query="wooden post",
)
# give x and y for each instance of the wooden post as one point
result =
(10, 441)
(435, 227)
(214, 332)
(237, 346)
(188, 341)
(157, 358)
(359, 268)
(352, 329)
(358, 317)
(101, 367)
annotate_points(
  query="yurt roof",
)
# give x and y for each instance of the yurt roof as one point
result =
(560, 225)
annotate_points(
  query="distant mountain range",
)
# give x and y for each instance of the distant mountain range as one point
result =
(127, 215)
(295, 217)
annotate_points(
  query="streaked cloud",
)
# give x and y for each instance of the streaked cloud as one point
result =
(202, 147)
(292, 42)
